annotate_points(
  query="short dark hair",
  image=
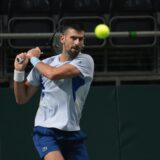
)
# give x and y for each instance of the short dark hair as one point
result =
(76, 26)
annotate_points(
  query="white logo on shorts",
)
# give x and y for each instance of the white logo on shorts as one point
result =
(44, 149)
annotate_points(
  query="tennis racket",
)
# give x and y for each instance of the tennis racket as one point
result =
(20, 60)
(54, 43)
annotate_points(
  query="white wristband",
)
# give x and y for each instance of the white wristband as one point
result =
(19, 76)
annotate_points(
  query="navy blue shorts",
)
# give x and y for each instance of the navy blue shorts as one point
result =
(69, 143)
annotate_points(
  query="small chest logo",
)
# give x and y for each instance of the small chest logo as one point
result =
(44, 149)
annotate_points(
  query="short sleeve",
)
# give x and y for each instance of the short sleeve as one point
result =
(85, 64)
(34, 77)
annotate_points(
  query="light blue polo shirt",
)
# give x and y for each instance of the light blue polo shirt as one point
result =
(62, 100)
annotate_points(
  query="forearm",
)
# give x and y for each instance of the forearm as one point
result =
(47, 70)
(20, 92)
(23, 90)
(60, 72)
(19, 86)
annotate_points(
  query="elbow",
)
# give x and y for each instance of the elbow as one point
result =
(20, 101)
(50, 76)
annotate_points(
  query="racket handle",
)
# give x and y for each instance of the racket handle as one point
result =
(20, 60)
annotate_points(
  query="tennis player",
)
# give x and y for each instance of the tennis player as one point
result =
(64, 81)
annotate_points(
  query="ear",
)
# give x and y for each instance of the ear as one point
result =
(61, 38)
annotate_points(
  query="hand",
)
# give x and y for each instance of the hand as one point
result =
(35, 52)
(21, 66)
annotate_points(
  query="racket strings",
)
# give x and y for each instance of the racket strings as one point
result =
(54, 41)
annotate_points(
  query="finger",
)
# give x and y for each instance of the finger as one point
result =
(21, 57)
(26, 60)
(38, 48)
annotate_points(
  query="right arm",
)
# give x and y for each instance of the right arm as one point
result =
(23, 91)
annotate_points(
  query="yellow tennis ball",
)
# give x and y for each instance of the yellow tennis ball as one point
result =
(102, 31)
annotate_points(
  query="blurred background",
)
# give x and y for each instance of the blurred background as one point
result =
(118, 60)
(121, 115)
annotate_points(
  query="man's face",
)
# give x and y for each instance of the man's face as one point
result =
(73, 42)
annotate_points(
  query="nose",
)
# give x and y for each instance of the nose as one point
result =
(77, 41)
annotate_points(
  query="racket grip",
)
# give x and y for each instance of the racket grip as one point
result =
(20, 60)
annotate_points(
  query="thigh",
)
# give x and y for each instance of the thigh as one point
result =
(76, 151)
(44, 141)
(54, 155)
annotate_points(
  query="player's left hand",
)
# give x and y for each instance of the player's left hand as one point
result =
(34, 52)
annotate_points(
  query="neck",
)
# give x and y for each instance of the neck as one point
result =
(64, 57)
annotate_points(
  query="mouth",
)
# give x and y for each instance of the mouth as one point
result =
(74, 51)
(77, 49)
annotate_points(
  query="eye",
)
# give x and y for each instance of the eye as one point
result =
(74, 38)
(81, 39)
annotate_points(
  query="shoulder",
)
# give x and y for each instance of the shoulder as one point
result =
(49, 60)
(84, 62)
(85, 57)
